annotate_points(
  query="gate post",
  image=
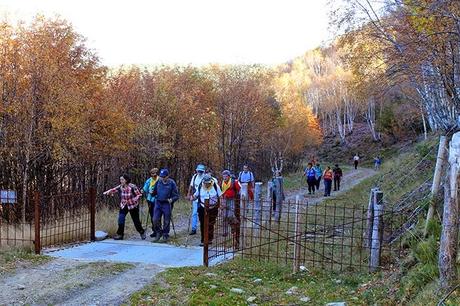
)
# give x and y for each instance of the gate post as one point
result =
(258, 204)
(37, 242)
(298, 234)
(377, 231)
(92, 211)
(206, 234)
(243, 200)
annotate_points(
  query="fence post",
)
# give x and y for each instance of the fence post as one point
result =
(377, 231)
(37, 241)
(442, 150)
(449, 234)
(92, 211)
(298, 234)
(243, 212)
(278, 185)
(369, 220)
(206, 234)
(258, 204)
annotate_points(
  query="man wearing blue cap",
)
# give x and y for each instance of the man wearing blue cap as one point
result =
(195, 182)
(166, 194)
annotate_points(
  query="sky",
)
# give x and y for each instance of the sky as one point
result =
(197, 32)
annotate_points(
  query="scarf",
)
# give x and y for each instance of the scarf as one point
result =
(226, 185)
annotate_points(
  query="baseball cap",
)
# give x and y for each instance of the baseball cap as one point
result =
(164, 173)
(207, 178)
(200, 167)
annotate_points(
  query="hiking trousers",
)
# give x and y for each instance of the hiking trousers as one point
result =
(318, 183)
(134, 215)
(311, 185)
(212, 215)
(162, 209)
(327, 187)
(337, 183)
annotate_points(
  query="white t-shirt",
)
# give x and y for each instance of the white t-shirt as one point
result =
(210, 194)
(356, 157)
(196, 183)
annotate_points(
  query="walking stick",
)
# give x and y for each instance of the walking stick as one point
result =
(189, 223)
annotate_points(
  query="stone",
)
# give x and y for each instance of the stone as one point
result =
(100, 235)
(338, 281)
(305, 299)
(237, 290)
(257, 280)
(213, 287)
(303, 268)
(336, 304)
(251, 299)
(292, 290)
(21, 287)
(211, 274)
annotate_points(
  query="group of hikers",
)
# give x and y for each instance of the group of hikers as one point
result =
(161, 193)
(314, 174)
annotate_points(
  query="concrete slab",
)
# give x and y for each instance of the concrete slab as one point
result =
(163, 255)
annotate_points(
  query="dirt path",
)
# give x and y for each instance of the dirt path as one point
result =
(70, 282)
(350, 179)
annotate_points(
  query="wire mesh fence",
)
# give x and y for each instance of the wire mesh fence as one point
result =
(333, 236)
(47, 221)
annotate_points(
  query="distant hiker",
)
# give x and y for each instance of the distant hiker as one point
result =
(166, 194)
(377, 163)
(328, 176)
(129, 202)
(247, 176)
(208, 190)
(319, 174)
(337, 177)
(310, 175)
(195, 182)
(231, 206)
(148, 188)
(356, 161)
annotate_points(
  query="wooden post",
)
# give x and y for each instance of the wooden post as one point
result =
(298, 234)
(278, 185)
(442, 151)
(450, 220)
(377, 231)
(92, 211)
(206, 234)
(37, 241)
(258, 204)
(269, 191)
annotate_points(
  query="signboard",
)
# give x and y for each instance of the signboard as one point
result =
(8, 197)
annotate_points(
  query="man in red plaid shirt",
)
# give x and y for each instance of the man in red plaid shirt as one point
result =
(129, 202)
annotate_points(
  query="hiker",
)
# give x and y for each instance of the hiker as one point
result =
(310, 175)
(231, 206)
(247, 176)
(328, 177)
(166, 194)
(337, 177)
(208, 190)
(194, 183)
(319, 174)
(356, 161)
(147, 189)
(377, 163)
(129, 202)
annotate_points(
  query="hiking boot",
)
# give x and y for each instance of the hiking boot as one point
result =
(157, 238)
(143, 236)
(193, 232)
(153, 235)
(118, 237)
(201, 244)
(164, 240)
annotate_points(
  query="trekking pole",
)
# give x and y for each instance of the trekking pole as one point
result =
(172, 222)
(189, 223)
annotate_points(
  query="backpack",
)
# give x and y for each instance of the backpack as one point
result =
(250, 175)
(311, 173)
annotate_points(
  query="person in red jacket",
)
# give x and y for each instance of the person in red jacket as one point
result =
(231, 206)
(328, 176)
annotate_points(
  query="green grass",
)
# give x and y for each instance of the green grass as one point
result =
(212, 286)
(12, 258)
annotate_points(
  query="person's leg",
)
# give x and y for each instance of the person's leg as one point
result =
(121, 221)
(329, 187)
(194, 220)
(151, 210)
(236, 230)
(137, 222)
(157, 220)
(201, 217)
(213, 212)
(335, 184)
(166, 209)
